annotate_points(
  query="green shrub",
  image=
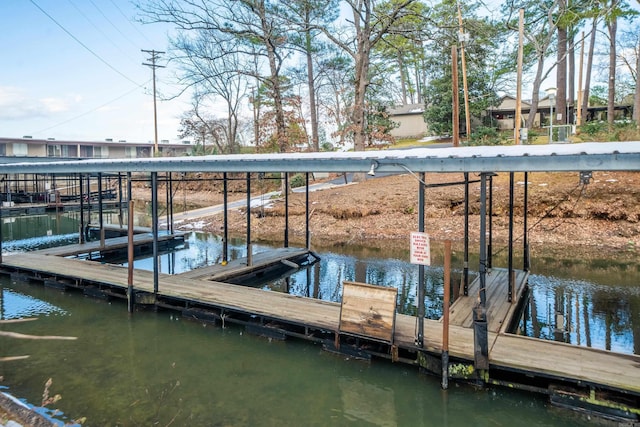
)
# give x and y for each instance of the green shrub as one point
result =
(486, 136)
(298, 180)
(593, 128)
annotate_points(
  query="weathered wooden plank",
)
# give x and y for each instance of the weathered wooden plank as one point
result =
(237, 267)
(368, 310)
(110, 244)
(498, 306)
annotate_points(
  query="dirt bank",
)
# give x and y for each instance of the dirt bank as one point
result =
(603, 215)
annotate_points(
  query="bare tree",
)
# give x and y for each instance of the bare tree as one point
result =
(253, 26)
(371, 21)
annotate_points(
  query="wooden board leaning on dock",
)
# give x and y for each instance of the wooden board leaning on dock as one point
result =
(538, 357)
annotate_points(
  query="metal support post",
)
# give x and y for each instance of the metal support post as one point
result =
(511, 191)
(421, 308)
(225, 220)
(249, 247)
(307, 233)
(465, 273)
(154, 222)
(100, 210)
(480, 333)
(525, 213)
(81, 233)
(286, 209)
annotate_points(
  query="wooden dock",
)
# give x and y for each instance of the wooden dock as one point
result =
(499, 310)
(111, 245)
(289, 257)
(548, 367)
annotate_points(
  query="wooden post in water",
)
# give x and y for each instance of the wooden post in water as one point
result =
(120, 219)
(130, 295)
(445, 314)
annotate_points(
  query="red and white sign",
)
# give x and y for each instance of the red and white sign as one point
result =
(420, 248)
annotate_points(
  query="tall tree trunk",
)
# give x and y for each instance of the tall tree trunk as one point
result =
(636, 101)
(535, 96)
(571, 90)
(315, 143)
(587, 79)
(403, 84)
(561, 71)
(361, 81)
(612, 26)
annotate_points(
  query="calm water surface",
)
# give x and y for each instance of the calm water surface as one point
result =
(155, 368)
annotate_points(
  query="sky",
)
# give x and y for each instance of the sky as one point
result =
(73, 69)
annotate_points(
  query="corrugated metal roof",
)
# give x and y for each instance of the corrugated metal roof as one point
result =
(520, 158)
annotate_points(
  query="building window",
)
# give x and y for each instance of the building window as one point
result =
(53, 151)
(86, 151)
(20, 149)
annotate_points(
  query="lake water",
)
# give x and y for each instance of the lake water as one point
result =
(155, 368)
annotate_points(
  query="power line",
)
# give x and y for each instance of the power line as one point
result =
(98, 29)
(82, 44)
(129, 21)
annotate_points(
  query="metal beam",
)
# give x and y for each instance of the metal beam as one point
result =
(522, 158)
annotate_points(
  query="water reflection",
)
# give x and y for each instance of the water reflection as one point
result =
(583, 313)
(16, 305)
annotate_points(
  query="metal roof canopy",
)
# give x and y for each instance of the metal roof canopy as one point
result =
(608, 156)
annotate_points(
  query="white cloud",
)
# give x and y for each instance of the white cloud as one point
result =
(17, 104)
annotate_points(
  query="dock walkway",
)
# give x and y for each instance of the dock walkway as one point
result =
(528, 356)
(239, 267)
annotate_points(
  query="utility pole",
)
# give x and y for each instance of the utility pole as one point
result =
(518, 137)
(155, 55)
(462, 38)
(455, 96)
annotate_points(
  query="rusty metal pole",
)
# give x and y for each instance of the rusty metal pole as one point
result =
(130, 295)
(445, 314)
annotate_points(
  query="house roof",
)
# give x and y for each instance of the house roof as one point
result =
(408, 109)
